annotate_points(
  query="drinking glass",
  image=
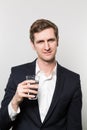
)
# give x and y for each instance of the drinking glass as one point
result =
(36, 79)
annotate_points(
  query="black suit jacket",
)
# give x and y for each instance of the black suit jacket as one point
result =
(65, 109)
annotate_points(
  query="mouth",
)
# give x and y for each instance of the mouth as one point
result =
(48, 53)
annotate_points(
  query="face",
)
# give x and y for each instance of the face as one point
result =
(45, 44)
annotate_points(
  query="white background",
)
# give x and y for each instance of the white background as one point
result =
(16, 16)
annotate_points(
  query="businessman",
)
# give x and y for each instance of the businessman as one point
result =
(59, 97)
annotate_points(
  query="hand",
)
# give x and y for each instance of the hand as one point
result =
(23, 90)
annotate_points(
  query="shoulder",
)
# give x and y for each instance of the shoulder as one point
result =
(19, 72)
(71, 79)
(69, 73)
(23, 67)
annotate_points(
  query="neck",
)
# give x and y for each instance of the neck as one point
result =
(46, 67)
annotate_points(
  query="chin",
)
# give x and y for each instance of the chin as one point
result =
(49, 59)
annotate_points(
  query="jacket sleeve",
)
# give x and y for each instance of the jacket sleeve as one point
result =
(5, 121)
(74, 113)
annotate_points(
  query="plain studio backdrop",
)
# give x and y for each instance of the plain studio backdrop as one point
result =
(16, 16)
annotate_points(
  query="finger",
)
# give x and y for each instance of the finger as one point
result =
(29, 81)
(26, 82)
(26, 91)
(31, 96)
(33, 91)
(27, 95)
(36, 82)
(33, 86)
(22, 86)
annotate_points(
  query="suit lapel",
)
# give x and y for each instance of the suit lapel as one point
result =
(35, 113)
(56, 96)
(57, 92)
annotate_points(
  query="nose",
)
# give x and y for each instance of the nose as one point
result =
(46, 46)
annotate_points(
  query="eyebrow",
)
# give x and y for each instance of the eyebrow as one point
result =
(39, 41)
(50, 39)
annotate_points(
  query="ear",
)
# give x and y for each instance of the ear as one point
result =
(32, 45)
(58, 41)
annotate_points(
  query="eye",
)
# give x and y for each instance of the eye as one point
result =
(51, 40)
(40, 42)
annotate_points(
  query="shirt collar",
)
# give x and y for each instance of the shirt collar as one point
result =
(37, 68)
(38, 71)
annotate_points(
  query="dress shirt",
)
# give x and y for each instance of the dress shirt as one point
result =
(45, 90)
(45, 93)
(12, 112)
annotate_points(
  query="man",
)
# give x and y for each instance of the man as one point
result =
(59, 99)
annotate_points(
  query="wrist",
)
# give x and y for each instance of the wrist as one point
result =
(15, 103)
(12, 112)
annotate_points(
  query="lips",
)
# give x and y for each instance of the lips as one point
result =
(48, 53)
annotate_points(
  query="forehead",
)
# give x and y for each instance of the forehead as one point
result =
(45, 34)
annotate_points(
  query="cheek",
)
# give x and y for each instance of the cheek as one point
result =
(54, 47)
(38, 49)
